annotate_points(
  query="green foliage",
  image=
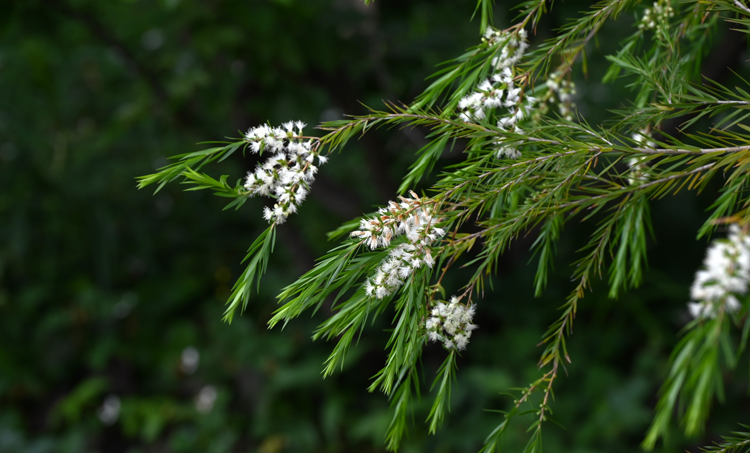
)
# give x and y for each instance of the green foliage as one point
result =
(258, 256)
(732, 444)
(514, 181)
(105, 287)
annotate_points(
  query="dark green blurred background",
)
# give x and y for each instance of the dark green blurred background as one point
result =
(111, 299)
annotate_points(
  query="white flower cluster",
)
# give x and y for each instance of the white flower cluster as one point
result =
(726, 275)
(661, 12)
(451, 324)
(643, 138)
(636, 164)
(288, 173)
(564, 90)
(556, 90)
(414, 218)
(514, 46)
(499, 90)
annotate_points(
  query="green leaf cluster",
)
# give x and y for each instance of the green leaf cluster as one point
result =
(680, 133)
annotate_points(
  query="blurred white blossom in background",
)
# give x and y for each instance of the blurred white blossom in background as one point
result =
(725, 276)
(109, 411)
(189, 360)
(205, 399)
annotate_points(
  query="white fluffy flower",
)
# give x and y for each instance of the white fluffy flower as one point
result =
(288, 173)
(726, 275)
(637, 164)
(451, 324)
(562, 92)
(660, 12)
(499, 90)
(412, 218)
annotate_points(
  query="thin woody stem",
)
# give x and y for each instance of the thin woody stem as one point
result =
(592, 148)
(547, 392)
